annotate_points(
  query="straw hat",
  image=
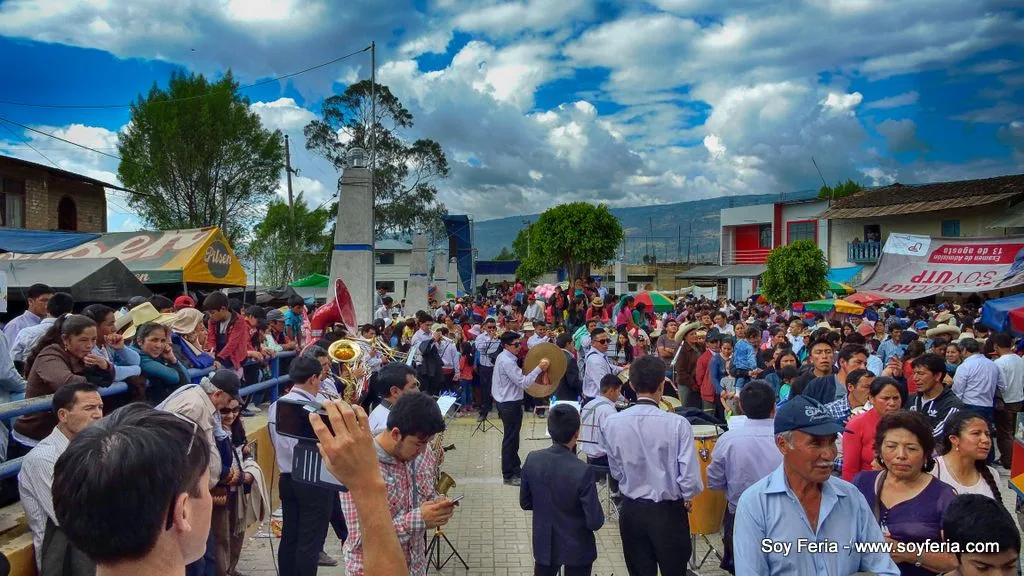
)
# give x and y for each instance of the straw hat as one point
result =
(143, 313)
(943, 330)
(528, 327)
(184, 321)
(943, 316)
(597, 302)
(686, 329)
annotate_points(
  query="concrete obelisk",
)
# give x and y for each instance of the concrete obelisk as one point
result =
(454, 280)
(620, 276)
(352, 258)
(440, 282)
(416, 292)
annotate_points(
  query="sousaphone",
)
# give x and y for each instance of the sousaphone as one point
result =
(547, 384)
(339, 309)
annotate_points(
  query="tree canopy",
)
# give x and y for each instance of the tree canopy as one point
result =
(572, 236)
(202, 160)
(406, 174)
(277, 263)
(795, 273)
(840, 190)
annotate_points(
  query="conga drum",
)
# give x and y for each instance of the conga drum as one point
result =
(708, 508)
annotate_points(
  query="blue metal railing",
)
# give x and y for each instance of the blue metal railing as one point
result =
(863, 252)
(17, 408)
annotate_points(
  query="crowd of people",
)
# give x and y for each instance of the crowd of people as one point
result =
(892, 426)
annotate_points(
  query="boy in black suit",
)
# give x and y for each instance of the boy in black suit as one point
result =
(561, 489)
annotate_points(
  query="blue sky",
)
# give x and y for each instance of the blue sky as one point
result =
(538, 102)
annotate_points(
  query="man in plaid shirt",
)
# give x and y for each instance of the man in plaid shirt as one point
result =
(858, 389)
(414, 420)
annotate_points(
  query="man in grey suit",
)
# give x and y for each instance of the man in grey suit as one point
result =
(561, 489)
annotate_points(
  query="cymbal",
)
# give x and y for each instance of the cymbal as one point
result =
(559, 364)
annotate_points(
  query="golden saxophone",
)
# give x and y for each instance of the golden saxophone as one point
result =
(444, 482)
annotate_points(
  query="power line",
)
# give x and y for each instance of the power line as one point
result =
(65, 140)
(184, 98)
(25, 140)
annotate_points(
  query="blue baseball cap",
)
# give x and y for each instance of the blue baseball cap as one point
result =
(806, 415)
(921, 325)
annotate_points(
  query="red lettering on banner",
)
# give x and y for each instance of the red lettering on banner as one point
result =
(975, 254)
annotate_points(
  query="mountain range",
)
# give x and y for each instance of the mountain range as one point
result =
(664, 232)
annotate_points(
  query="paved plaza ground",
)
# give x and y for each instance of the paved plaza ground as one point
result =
(489, 529)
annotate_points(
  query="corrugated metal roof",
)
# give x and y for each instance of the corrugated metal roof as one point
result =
(837, 212)
(735, 271)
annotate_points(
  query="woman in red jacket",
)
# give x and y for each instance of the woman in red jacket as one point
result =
(886, 396)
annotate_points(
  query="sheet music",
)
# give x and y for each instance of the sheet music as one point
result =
(446, 403)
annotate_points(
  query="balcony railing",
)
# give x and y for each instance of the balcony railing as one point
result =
(757, 256)
(863, 252)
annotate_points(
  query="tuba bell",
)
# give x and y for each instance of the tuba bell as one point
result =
(344, 351)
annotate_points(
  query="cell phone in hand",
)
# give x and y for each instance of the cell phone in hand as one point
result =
(457, 498)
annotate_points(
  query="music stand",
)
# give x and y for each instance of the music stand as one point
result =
(434, 552)
(485, 424)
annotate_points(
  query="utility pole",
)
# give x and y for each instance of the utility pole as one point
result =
(689, 241)
(291, 200)
(373, 158)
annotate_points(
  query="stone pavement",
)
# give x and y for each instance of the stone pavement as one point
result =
(489, 529)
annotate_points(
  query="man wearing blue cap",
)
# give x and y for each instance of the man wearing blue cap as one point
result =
(800, 519)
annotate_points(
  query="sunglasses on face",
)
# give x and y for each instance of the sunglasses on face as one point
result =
(229, 411)
(602, 341)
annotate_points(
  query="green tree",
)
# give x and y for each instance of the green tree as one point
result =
(505, 255)
(795, 273)
(572, 236)
(406, 174)
(276, 262)
(203, 160)
(840, 190)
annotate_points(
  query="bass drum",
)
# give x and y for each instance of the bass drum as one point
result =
(708, 509)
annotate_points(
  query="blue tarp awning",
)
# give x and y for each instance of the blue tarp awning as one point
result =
(996, 313)
(39, 241)
(844, 275)
(496, 267)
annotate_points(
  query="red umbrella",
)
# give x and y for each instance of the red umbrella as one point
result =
(866, 298)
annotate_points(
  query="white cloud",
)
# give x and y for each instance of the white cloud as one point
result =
(842, 103)
(509, 18)
(897, 101)
(714, 145)
(282, 114)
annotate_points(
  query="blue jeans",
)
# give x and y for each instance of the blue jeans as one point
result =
(466, 393)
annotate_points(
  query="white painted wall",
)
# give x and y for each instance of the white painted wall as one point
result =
(757, 214)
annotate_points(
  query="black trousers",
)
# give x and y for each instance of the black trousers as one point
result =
(727, 528)
(655, 536)
(511, 414)
(307, 513)
(613, 484)
(338, 521)
(542, 570)
(486, 374)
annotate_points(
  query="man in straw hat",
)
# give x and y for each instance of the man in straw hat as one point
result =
(685, 364)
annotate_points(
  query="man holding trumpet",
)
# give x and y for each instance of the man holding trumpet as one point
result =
(508, 385)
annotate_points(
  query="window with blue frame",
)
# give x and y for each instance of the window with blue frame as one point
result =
(951, 228)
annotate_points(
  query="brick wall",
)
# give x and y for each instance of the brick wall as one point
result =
(44, 190)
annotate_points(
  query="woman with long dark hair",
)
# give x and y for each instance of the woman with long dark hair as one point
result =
(963, 450)
(110, 344)
(64, 355)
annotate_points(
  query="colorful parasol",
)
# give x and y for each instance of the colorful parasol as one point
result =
(840, 289)
(867, 298)
(655, 300)
(829, 305)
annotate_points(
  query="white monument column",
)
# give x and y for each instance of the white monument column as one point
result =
(352, 258)
(620, 276)
(454, 280)
(416, 293)
(440, 282)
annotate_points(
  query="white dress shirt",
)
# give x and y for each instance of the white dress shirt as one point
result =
(449, 355)
(415, 356)
(35, 484)
(536, 339)
(977, 380)
(28, 337)
(595, 366)
(509, 381)
(486, 345)
(593, 417)
(1012, 368)
(652, 454)
(378, 420)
